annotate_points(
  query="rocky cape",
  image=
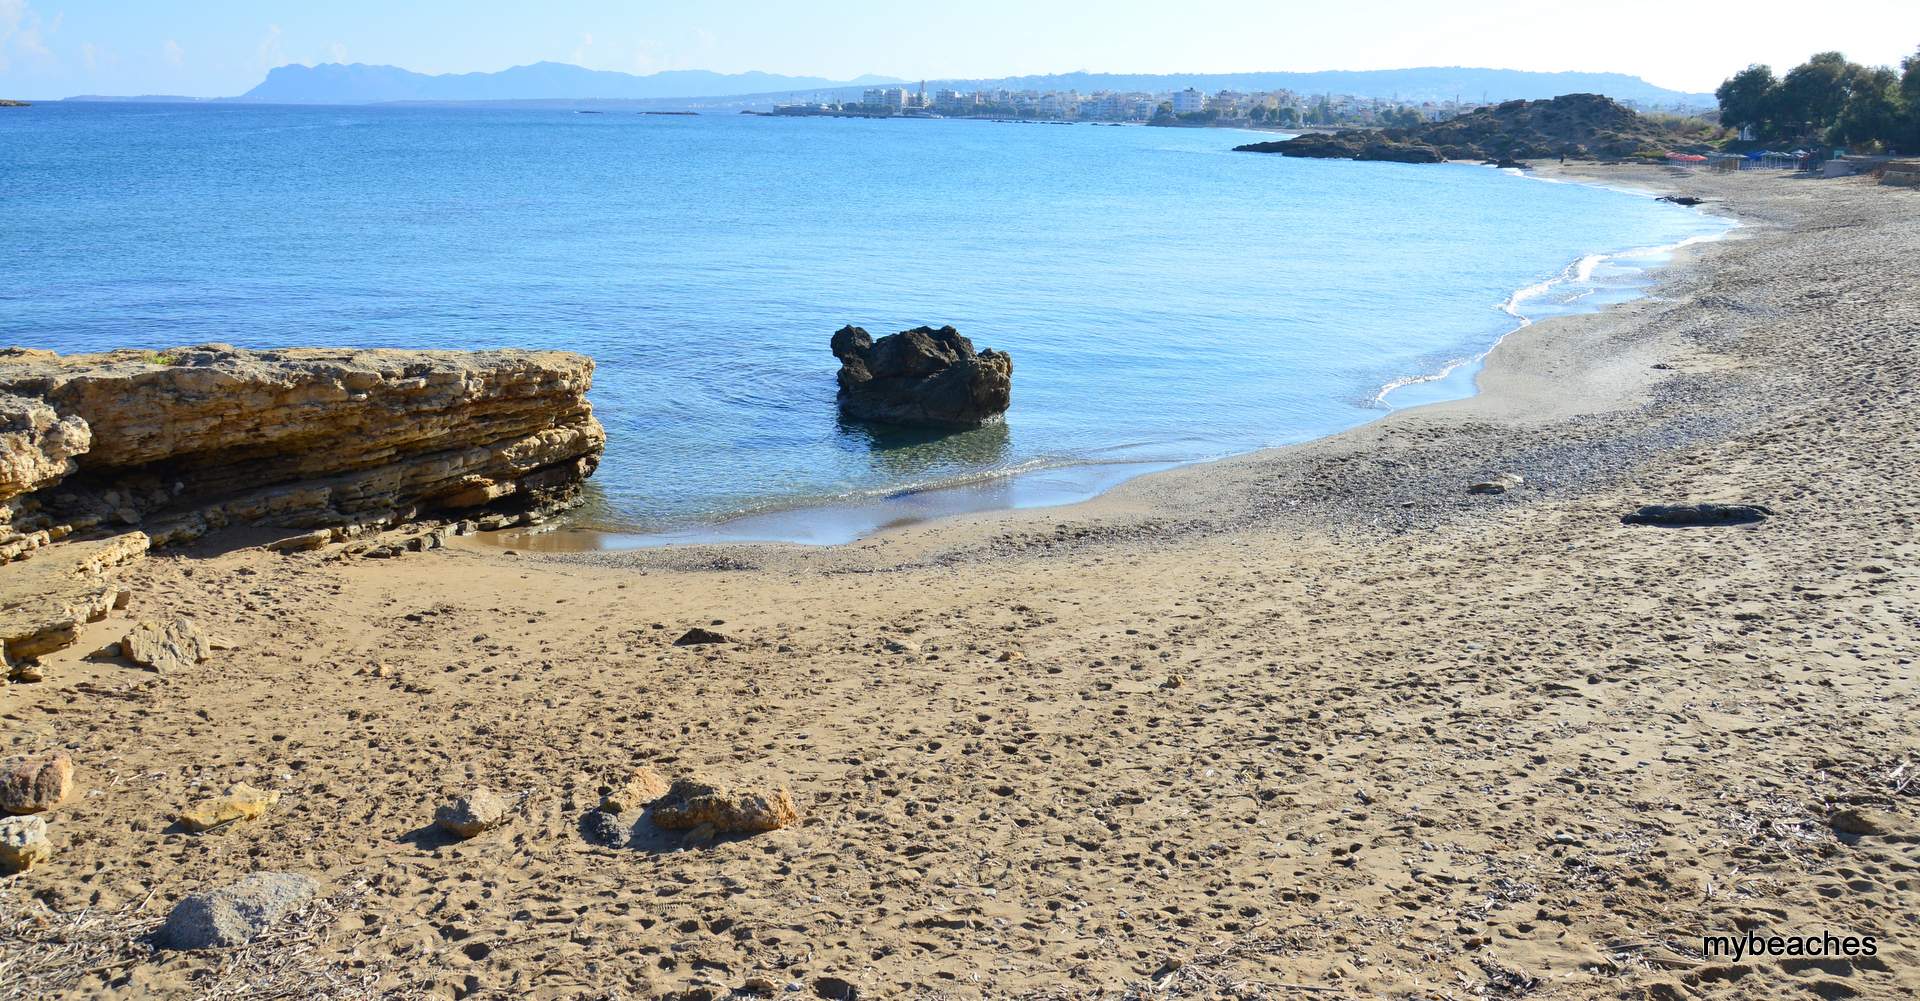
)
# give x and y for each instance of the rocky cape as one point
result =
(103, 456)
(921, 376)
(1578, 126)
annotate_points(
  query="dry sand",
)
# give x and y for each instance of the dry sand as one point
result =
(1314, 722)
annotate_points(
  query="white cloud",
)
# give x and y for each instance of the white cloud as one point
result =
(171, 51)
(580, 51)
(22, 33)
(268, 54)
(337, 52)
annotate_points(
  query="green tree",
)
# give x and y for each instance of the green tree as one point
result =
(1747, 99)
(1258, 113)
(1908, 138)
(1812, 94)
(1873, 110)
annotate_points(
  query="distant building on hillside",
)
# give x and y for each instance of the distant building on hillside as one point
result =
(1228, 103)
(1189, 101)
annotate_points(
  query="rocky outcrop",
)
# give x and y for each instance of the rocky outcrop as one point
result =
(182, 442)
(921, 376)
(1578, 126)
(45, 600)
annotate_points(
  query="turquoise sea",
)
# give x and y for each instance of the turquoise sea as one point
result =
(1164, 299)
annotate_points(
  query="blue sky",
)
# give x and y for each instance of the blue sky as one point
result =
(57, 48)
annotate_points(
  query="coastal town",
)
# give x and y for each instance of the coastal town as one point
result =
(1189, 106)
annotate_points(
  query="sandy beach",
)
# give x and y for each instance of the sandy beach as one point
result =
(1312, 722)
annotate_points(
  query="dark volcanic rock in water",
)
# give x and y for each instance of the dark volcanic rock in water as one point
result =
(921, 376)
(1402, 153)
(1581, 126)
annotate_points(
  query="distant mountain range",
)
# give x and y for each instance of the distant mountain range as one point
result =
(336, 83)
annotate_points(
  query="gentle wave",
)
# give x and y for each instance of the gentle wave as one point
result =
(1579, 272)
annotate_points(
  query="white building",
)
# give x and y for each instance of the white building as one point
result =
(1188, 101)
(886, 98)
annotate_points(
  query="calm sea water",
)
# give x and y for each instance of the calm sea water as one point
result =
(1164, 299)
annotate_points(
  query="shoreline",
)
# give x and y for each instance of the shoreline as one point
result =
(1067, 483)
(1312, 718)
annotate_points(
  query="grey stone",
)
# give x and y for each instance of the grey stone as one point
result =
(237, 914)
(606, 829)
(23, 842)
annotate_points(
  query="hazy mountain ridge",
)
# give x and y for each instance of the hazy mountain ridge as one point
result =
(357, 83)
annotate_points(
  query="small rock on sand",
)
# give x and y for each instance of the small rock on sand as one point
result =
(702, 636)
(644, 786)
(164, 646)
(470, 815)
(691, 803)
(240, 802)
(603, 828)
(35, 783)
(1863, 822)
(235, 915)
(1499, 484)
(1697, 515)
(23, 842)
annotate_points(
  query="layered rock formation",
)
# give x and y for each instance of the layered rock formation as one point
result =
(921, 376)
(179, 443)
(1578, 126)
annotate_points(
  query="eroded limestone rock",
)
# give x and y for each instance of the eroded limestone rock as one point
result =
(240, 802)
(45, 599)
(343, 442)
(197, 438)
(691, 803)
(165, 646)
(644, 786)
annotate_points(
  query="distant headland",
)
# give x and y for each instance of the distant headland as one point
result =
(1572, 126)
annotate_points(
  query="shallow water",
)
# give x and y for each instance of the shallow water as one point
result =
(1164, 299)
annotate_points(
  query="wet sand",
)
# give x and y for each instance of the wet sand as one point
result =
(1315, 721)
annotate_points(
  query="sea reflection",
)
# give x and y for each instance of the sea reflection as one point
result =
(911, 452)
